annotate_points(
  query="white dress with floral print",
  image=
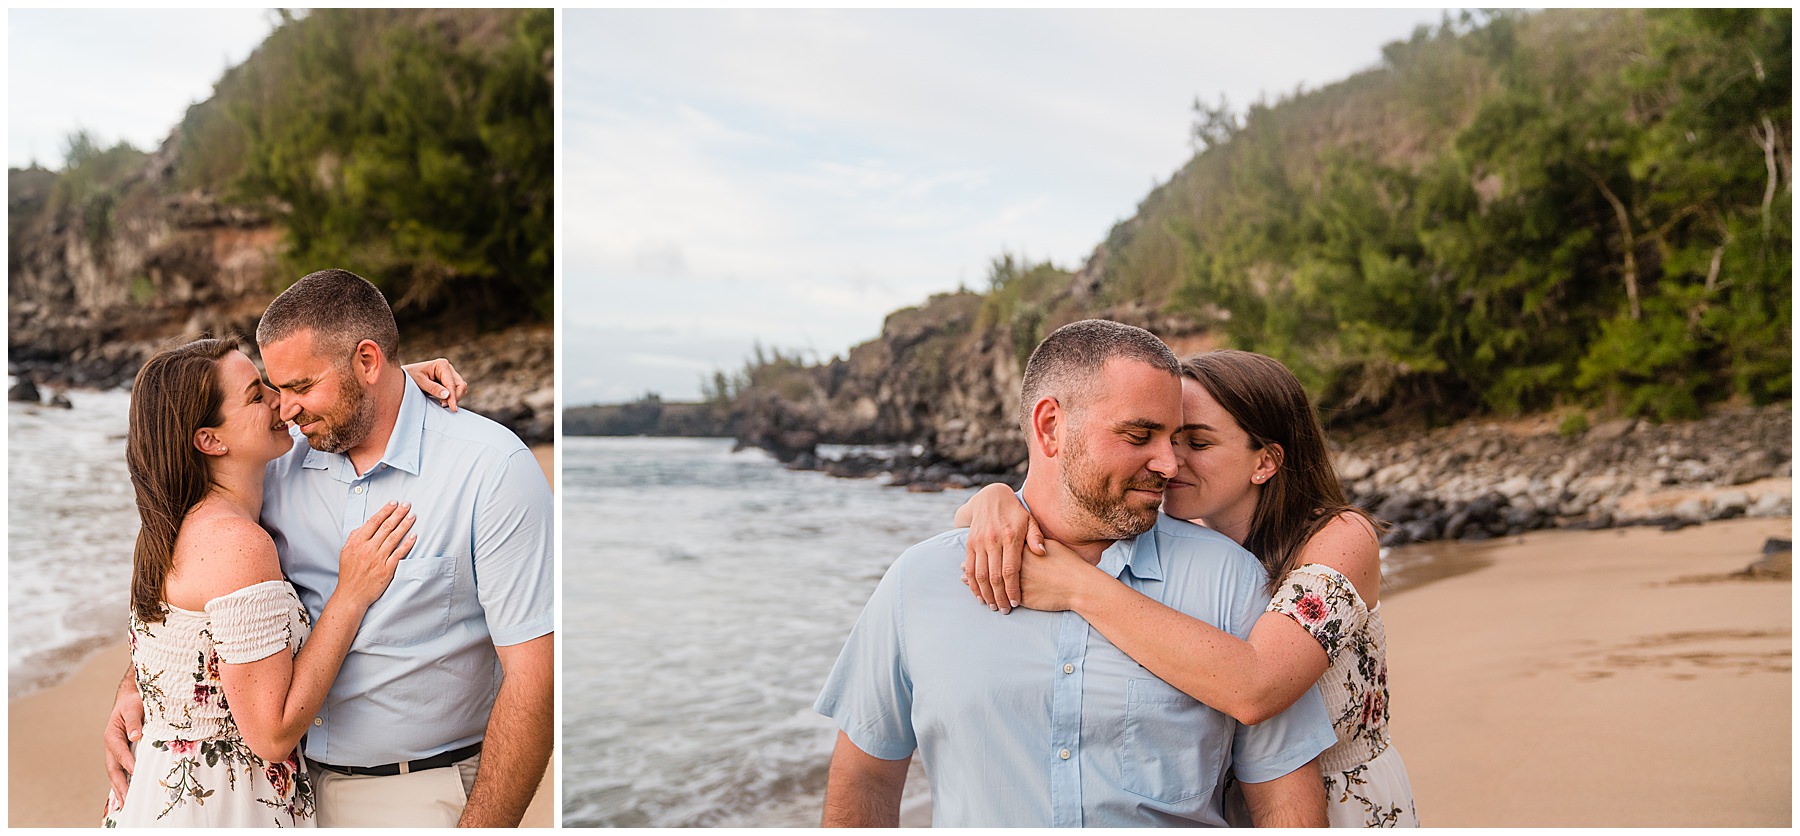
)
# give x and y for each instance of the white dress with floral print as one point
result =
(1365, 781)
(193, 768)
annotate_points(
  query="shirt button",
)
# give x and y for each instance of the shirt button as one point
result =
(320, 721)
(1068, 668)
(358, 488)
(1064, 754)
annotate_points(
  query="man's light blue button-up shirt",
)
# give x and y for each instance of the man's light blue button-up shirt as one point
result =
(421, 676)
(1034, 718)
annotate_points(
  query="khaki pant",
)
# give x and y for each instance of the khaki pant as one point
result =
(432, 798)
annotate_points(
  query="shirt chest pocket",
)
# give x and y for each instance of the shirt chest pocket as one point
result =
(1174, 746)
(416, 606)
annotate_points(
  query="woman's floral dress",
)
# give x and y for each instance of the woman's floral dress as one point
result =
(1365, 781)
(193, 768)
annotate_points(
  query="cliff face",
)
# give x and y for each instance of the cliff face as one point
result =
(92, 290)
(434, 181)
(944, 376)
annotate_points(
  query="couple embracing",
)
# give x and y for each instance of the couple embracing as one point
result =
(1132, 668)
(342, 594)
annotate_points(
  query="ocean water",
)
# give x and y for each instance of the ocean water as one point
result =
(706, 594)
(71, 522)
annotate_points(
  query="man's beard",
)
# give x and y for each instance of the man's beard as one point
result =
(1113, 514)
(349, 422)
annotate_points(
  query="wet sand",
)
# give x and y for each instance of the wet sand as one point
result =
(1606, 678)
(56, 768)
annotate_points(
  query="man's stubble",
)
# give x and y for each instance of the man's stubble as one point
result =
(1108, 511)
(358, 417)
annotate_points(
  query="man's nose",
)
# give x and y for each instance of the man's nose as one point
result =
(1163, 462)
(289, 408)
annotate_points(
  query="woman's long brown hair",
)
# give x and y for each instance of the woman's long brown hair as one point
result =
(175, 393)
(1304, 494)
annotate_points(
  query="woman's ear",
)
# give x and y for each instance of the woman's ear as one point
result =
(209, 443)
(1268, 463)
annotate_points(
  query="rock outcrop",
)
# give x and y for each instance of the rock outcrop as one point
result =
(937, 391)
(92, 294)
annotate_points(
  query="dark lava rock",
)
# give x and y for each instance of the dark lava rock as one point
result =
(24, 392)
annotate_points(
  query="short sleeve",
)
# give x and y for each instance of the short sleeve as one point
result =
(515, 578)
(1323, 602)
(869, 692)
(1285, 742)
(252, 623)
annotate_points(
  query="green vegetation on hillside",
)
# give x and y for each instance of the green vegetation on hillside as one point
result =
(1514, 212)
(413, 146)
(418, 145)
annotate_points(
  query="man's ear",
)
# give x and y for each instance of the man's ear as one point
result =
(368, 362)
(1047, 422)
(209, 443)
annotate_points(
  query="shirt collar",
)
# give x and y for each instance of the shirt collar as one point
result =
(1137, 554)
(403, 449)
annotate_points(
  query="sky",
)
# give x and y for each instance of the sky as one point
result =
(123, 74)
(735, 177)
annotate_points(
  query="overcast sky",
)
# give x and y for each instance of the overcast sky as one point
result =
(790, 177)
(123, 74)
(787, 177)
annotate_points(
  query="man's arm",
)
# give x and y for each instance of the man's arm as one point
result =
(863, 790)
(519, 736)
(1296, 799)
(123, 729)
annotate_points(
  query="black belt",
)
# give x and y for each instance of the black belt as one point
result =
(404, 767)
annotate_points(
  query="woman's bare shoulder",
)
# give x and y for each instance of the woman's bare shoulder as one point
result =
(1348, 543)
(218, 554)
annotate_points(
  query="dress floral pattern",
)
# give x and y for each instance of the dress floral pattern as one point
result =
(193, 767)
(1365, 780)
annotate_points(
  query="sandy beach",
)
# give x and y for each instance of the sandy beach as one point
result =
(56, 773)
(1605, 678)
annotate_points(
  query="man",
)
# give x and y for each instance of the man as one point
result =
(442, 712)
(1039, 720)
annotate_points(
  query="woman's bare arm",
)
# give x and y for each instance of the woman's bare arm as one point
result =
(1251, 680)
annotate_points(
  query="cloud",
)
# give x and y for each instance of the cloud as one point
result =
(793, 176)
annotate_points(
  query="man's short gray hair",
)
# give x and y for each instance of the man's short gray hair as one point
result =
(1066, 362)
(339, 307)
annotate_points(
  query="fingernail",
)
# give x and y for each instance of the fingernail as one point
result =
(1015, 603)
(444, 393)
(994, 608)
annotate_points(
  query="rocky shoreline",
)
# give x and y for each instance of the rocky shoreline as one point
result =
(1482, 479)
(511, 373)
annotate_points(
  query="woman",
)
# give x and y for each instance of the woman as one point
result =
(214, 627)
(1252, 465)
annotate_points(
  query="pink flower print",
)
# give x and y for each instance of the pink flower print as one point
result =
(201, 692)
(181, 747)
(278, 776)
(1311, 608)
